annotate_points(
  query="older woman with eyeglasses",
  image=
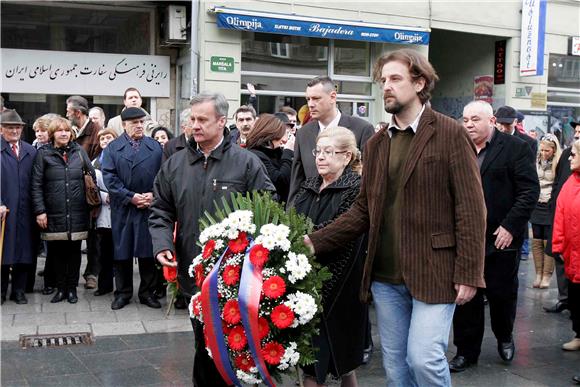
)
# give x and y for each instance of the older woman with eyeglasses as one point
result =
(566, 241)
(548, 156)
(341, 341)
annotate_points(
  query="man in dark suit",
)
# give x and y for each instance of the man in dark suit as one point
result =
(563, 172)
(422, 205)
(511, 190)
(507, 120)
(321, 99)
(178, 143)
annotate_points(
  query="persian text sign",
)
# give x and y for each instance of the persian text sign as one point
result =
(83, 73)
(319, 28)
(532, 40)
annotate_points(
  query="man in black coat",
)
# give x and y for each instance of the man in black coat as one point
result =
(563, 172)
(178, 143)
(511, 190)
(321, 99)
(507, 119)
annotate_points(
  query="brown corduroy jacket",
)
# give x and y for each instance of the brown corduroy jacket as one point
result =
(442, 217)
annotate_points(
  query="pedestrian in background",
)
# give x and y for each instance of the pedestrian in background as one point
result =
(546, 163)
(162, 135)
(62, 212)
(20, 234)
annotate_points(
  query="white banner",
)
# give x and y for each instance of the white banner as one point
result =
(532, 39)
(83, 73)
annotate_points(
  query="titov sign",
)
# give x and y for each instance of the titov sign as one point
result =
(84, 73)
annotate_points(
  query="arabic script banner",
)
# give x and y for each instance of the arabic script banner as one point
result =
(83, 73)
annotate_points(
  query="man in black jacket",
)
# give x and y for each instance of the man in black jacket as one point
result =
(180, 142)
(507, 119)
(563, 172)
(321, 99)
(187, 185)
(511, 190)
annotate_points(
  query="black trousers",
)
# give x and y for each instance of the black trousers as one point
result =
(574, 304)
(123, 272)
(105, 251)
(49, 270)
(66, 261)
(19, 273)
(501, 278)
(93, 268)
(205, 373)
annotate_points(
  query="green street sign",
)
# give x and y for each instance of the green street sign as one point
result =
(222, 64)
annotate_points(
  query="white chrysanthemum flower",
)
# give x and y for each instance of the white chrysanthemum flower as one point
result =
(303, 305)
(247, 378)
(209, 352)
(290, 358)
(219, 244)
(297, 266)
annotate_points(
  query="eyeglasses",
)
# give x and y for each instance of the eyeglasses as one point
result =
(572, 154)
(329, 152)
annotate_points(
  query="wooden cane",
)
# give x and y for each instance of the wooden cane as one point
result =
(2, 236)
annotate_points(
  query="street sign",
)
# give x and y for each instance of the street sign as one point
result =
(222, 64)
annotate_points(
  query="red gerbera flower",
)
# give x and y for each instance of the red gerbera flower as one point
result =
(199, 277)
(226, 329)
(237, 338)
(208, 249)
(231, 274)
(263, 327)
(196, 305)
(274, 286)
(282, 316)
(231, 313)
(239, 244)
(244, 361)
(273, 352)
(259, 255)
(170, 274)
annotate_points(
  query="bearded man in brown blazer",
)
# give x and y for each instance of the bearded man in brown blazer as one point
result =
(422, 204)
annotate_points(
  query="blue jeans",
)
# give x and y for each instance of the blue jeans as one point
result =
(414, 337)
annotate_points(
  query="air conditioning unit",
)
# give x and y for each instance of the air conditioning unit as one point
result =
(175, 24)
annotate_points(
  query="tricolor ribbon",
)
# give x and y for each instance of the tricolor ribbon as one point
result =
(214, 332)
(249, 302)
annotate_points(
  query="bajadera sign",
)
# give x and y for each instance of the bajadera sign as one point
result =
(532, 39)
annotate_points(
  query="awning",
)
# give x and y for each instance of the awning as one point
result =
(275, 23)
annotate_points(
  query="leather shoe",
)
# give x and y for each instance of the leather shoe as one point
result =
(506, 350)
(119, 303)
(48, 290)
(180, 303)
(101, 292)
(58, 297)
(557, 307)
(19, 298)
(460, 363)
(576, 378)
(151, 302)
(72, 296)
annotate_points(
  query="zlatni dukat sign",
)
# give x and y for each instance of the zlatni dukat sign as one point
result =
(84, 73)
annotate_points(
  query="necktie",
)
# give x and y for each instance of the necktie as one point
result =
(15, 150)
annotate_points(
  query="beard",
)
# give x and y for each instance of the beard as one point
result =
(394, 107)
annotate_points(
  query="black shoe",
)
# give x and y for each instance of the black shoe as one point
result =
(19, 298)
(506, 350)
(180, 303)
(102, 292)
(40, 273)
(576, 378)
(3, 298)
(72, 296)
(460, 363)
(58, 297)
(151, 302)
(48, 290)
(119, 303)
(557, 307)
(160, 293)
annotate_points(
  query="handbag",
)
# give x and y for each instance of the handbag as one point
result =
(92, 193)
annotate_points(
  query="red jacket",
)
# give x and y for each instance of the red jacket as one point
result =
(566, 235)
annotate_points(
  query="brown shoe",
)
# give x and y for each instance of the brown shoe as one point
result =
(91, 282)
(573, 345)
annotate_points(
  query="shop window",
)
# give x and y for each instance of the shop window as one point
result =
(279, 50)
(564, 71)
(74, 28)
(352, 58)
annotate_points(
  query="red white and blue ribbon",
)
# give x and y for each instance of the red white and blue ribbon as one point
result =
(214, 332)
(249, 302)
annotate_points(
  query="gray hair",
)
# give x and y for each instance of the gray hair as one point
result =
(220, 103)
(99, 109)
(483, 106)
(184, 117)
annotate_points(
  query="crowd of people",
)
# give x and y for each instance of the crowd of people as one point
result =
(423, 216)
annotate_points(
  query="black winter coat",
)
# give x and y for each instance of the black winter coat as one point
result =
(344, 317)
(278, 163)
(58, 190)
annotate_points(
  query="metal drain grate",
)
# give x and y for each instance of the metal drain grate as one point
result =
(56, 340)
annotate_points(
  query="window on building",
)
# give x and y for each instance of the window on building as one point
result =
(563, 95)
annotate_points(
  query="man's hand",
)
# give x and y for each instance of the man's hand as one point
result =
(290, 143)
(3, 211)
(251, 88)
(137, 200)
(503, 239)
(166, 258)
(148, 199)
(309, 244)
(464, 293)
(42, 221)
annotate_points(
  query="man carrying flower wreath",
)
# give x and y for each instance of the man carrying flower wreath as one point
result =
(422, 204)
(188, 184)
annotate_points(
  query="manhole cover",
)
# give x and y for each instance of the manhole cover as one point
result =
(56, 340)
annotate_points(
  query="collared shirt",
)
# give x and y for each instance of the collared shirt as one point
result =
(332, 123)
(81, 130)
(483, 151)
(15, 148)
(414, 125)
(211, 150)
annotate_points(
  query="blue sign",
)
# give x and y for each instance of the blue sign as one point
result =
(317, 29)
